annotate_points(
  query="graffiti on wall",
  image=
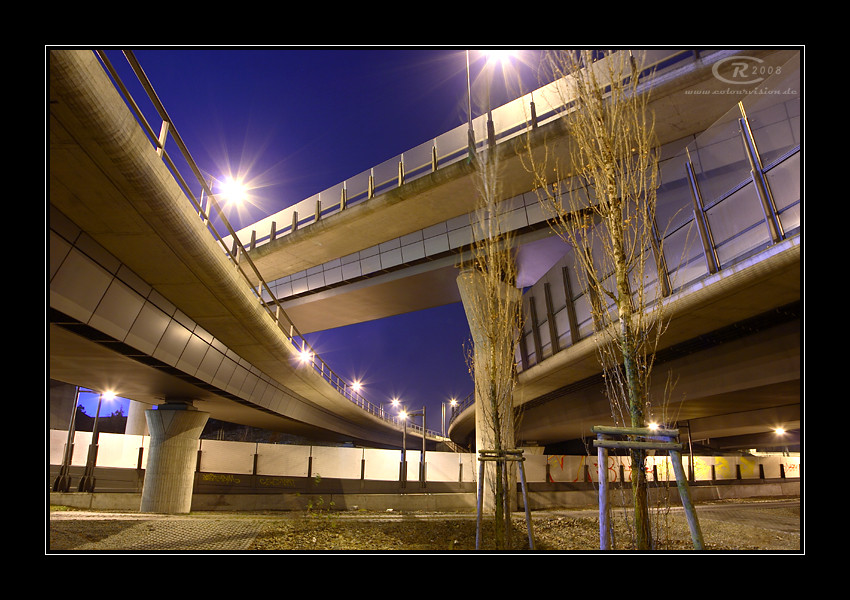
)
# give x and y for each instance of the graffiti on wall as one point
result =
(574, 469)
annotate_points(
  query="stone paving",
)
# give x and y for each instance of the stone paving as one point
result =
(181, 535)
(137, 532)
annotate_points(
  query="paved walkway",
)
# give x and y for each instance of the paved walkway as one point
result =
(218, 531)
(781, 515)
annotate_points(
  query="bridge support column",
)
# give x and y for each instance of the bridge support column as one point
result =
(136, 419)
(471, 293)
(175, 429)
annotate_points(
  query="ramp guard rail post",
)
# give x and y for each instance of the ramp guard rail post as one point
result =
(502, 458)
(658, 439)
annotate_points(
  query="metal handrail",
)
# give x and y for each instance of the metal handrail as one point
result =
(274, 308)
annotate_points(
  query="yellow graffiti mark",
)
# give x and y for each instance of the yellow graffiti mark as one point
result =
(580, 470)
(219, 478)
(749, 466)
(702, 468)
(723, 469)
(558, 459)
(276, 482)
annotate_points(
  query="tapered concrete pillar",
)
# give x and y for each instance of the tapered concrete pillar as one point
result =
(472, 295)
(170, 471)
(136, 419)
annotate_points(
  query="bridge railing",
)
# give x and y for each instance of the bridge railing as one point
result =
(208, 209)
(508, 121)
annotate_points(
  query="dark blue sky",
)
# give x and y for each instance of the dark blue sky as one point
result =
(296, 121)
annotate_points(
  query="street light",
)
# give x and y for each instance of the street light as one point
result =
(305, 355)
(87, 482)
(234, 191)
(500, 56)
(491, 57)
(453, 404)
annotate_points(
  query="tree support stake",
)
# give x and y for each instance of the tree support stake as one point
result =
(658, 439)
(502, 458)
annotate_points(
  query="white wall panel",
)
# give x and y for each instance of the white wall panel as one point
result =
(413, 465)
(227, 457)
(469, 467)
(381, 465)
(442, 466)
(283, 460)
(337, 463)
(535, 468)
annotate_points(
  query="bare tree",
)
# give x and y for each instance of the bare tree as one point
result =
(493, 308)
(602, 202)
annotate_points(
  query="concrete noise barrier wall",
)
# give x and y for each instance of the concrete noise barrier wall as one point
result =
(285, 460)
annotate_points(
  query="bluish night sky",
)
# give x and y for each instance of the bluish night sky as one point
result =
(295, 121)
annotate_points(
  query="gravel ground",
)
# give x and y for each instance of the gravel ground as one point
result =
(766, 526)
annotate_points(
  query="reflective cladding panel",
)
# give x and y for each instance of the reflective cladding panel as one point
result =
(117, 310)
(118, 304)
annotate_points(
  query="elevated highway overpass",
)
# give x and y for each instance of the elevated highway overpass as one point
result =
(144, 301)
(417, 218)
(747, 302)
(124, 230)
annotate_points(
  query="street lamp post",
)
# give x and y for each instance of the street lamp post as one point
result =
(471, 133)
(404, 417)
(62, 483)
(87, 482)
(491, 135)
(491, 128)
(490, 59)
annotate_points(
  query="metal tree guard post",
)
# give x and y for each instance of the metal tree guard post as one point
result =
(502, 458)
(659, 439)
(605, 535)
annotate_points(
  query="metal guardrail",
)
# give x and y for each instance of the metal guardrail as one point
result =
(237, 254)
